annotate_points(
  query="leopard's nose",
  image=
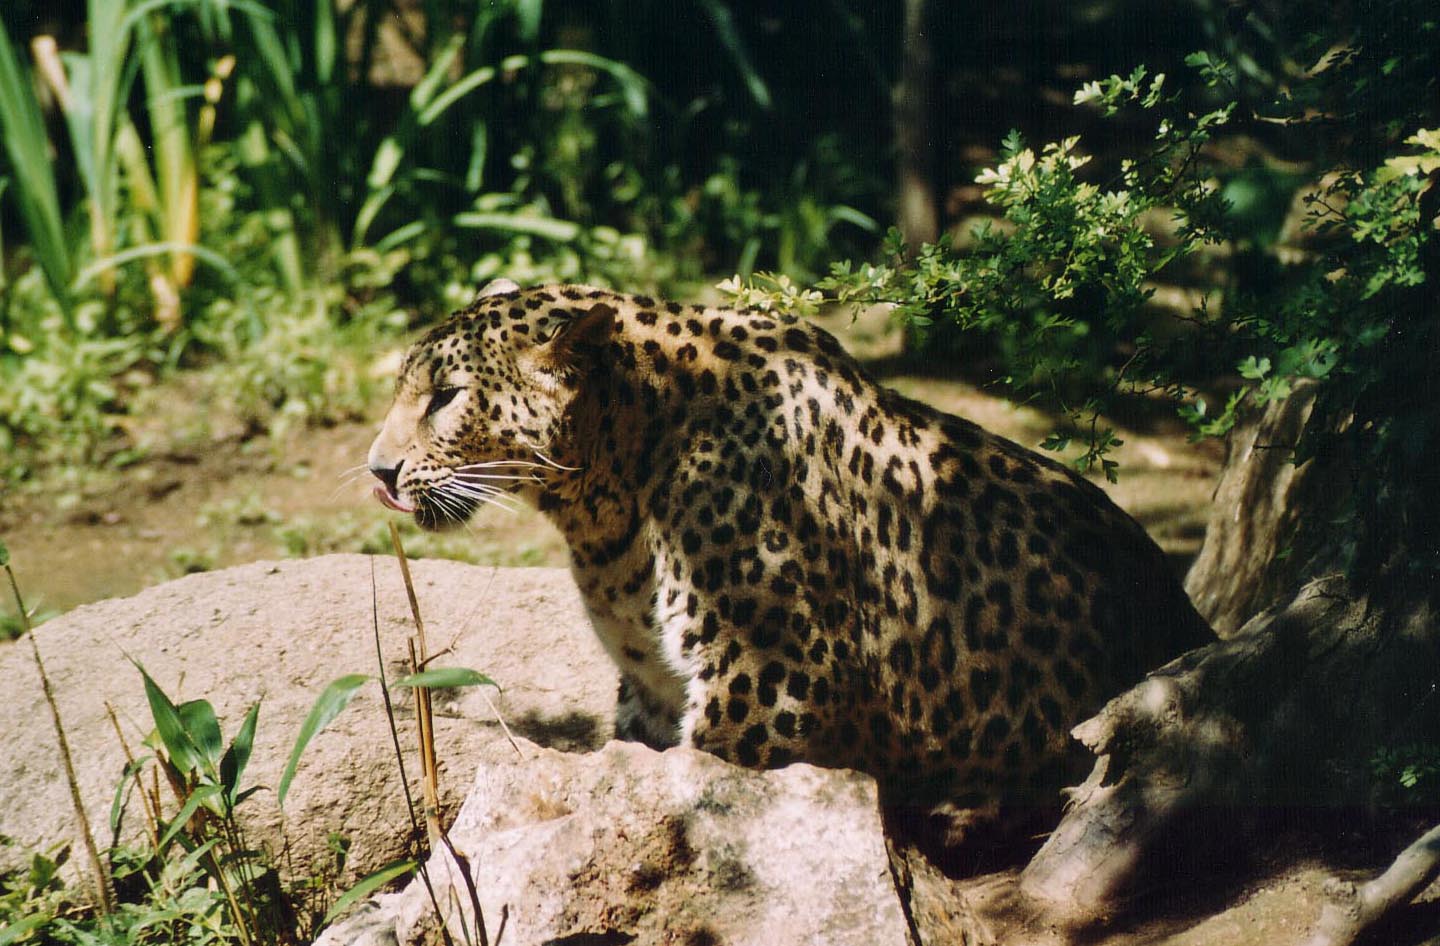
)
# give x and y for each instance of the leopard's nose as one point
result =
(390, 476)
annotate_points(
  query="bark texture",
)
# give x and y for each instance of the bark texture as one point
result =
(917, 208)
(1288, 710)
(1356, 908)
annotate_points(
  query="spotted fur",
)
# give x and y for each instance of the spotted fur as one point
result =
(786, 560)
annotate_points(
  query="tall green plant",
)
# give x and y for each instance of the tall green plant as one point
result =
(28, 149)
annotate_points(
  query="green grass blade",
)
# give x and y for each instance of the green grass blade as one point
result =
(367, 885)
(102, 96)
(27, 148)
(634, 87)
(173, 144)
(122, 791)
(335, 698)
(723, 20)
(205, 255)
(462, 87)
(528, 14)
(561, 231)
(446, 677)
(325, 42)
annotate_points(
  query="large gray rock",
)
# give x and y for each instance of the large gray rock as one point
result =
(633, 845)
(277, 633)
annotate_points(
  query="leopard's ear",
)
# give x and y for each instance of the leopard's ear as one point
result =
(576, 343)
(497, 287)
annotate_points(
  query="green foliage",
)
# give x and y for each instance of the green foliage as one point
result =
(27, 149)
(340, 691)
(255, 189)
(1058, 289)
(197, 881)
(1408, 774)
(208, 778)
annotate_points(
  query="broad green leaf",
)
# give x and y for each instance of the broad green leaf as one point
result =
(198, 797)
(198, 718)
(335, 698)
(1254, 368)
(446, 677)
(371, 882)
(173, 735)
(16, 931)
(232, 766)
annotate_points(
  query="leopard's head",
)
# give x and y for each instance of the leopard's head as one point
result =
(484, 405)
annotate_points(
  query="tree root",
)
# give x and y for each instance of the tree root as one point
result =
(1354, 909)
(1228, 724)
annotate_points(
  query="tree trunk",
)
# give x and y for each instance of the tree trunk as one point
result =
(917, 209)
(1289, 709)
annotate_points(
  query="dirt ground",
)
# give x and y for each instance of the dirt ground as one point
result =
(231, 500)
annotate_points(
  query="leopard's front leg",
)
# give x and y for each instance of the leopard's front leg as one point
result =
(753, 705)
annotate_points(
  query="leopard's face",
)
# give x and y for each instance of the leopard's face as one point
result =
(482, 412)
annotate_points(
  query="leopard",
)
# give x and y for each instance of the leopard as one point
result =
(786, 560)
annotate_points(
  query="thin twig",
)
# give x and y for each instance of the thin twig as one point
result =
(400, 758)
(501, 720)
(152, 815)
(390, 708)
(463, 863)
(423, 708)
(102, 881)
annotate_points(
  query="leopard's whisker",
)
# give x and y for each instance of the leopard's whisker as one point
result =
(556, 466)
(493, 463)
(482, 493)
(348, 478)
(528, 477)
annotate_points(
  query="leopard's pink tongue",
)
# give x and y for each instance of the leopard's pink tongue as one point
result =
(388, 499)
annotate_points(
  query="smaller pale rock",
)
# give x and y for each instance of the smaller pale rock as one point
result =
(633, 845)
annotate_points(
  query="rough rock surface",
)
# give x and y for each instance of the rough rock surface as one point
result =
(278, 632)
(633, 845)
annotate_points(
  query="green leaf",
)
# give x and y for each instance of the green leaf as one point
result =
(634, 88)
(4, 555)
(198, 797)
(28, 148)
(173, 735)
(723, 20)
(335, 698)
(369, 883)
(446, 677)
(15, 932)
(1253, 368)
(122, 790)
(232, 766)
(198, 718)
(527, 17)
(561, 231)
